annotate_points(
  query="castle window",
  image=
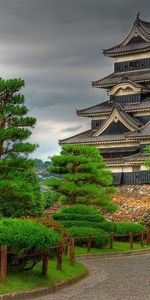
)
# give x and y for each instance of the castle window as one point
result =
(127, 98)
(96, 123)
(132, 65)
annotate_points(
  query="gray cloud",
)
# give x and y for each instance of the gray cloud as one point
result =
(72, 129)
(56, 46)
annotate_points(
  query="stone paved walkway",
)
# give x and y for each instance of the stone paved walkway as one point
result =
(119, 278)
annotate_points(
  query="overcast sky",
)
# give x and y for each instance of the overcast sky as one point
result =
(56, 47)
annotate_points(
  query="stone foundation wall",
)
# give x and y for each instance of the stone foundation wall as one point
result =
(133, 201)
(134, 190)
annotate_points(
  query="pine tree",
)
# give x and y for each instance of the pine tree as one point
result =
(19, 189)
(85, 179)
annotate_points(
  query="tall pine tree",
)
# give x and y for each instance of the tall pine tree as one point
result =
(84, 177)
(19, 189)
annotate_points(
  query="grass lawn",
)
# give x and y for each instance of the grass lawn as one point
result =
(117, 246)
(31, 279)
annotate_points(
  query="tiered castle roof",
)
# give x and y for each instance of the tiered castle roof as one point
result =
(138, 76)
(105, 108)
(122, 123)
(137, 41)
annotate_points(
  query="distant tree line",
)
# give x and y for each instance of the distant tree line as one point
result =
(40, 164)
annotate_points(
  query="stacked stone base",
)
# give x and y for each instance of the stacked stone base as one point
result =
(133, 202)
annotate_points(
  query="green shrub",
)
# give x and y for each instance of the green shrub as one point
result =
(77, 217)
(107, 226)
(100, 238)
(70, 223)
(104, 225)
(127, 227)
(51, 224)
(25, 237)
(50, 198)
(80, 209)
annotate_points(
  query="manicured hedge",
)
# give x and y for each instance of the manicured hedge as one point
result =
(100, 238)
(51, 224)
(85, 216)
(78, 217)
(25, 237)
(104, 225)
(80, 209)
(127, 227)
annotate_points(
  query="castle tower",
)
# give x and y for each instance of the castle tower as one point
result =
(120, 127)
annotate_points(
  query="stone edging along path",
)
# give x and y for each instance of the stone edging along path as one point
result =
(39, 292)
(112, 254)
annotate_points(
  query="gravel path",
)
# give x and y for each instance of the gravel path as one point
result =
(119, 278)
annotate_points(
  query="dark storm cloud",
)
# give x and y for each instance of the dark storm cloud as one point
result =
(56, 46)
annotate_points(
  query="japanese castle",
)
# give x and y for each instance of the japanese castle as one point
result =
(120, 127)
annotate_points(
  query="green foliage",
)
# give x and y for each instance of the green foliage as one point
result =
(77, 217)
(85, 179)
(80, 209)
(85, 216)
(14, 124)
(25, 237)
(82, 220)
(50, 223)
(40, 164)
(100, 238)
(50, 198)
(20, 193)
(127, 227)
(104, 225)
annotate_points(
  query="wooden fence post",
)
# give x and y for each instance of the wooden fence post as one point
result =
(66, 246)
(111, 239)
(45, 264)
(131, 240)
(3, 253)
(59, 255)
(72, 255)
(142, 239)
(89, 243)
(148, 235)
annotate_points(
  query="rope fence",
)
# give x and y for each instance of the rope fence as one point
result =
(143, 237)
(61, 248)
(65, 247)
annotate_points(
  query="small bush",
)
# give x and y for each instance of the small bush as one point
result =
(107, 226)
(80, 209)
(91, 218)
(50, 198)
(104, 225)
(127, 227)
(70, 223)
(25, 237)
(100, 238)
(51, 224)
